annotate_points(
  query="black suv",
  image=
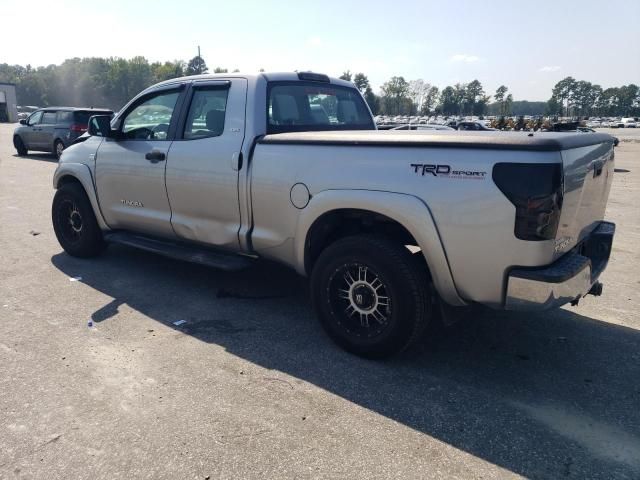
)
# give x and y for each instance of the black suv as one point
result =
(53, 129)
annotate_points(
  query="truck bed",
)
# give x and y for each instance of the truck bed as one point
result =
(529, 141)
(474, 219)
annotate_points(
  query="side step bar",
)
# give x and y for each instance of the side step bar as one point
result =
(179, 251)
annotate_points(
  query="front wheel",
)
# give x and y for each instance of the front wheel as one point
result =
(74, 222)
(19, 144)
(371, 296)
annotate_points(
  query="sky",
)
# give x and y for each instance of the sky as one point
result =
(527, 46)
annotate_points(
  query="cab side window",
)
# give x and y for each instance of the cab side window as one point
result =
(150, 119)
(34, 119)
(206, 113)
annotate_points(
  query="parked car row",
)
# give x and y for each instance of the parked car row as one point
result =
(429, 120)
(624, 122)
(53, 129)
(610, 122)
(422, 127)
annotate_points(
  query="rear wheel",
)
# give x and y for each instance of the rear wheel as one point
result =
(371, 296)
(58, 148)
(19, 144)
(74, 222)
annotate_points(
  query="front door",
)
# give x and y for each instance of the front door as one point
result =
(202, 171)
(29, 136)
(130, 168)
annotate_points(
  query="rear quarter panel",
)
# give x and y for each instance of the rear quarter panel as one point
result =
(473, 218)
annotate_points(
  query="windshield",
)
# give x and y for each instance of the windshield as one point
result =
(309, 106)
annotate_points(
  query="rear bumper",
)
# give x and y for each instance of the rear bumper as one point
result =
(566, 280)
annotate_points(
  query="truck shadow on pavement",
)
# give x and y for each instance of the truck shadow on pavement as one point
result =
(42, 157)
(543, 395)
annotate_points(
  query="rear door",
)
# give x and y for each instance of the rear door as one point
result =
(203, 167)
(130, 168)
(64, 121)
(47, 129)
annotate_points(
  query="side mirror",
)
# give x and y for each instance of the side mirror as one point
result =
(23, 121)
(100, 126)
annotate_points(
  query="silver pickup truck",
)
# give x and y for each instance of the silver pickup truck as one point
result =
(391, 227)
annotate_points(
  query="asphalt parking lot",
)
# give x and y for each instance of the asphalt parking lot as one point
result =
(250, 387)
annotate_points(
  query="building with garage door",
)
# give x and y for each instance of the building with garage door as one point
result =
(8, 103)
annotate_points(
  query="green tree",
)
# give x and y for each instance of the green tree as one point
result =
(584, 96)
(346, 75)
(499, 96)
(508, 104)
(372, 100)
(395, 96)
(448, 101)
(220, 70)
(475, 98)
(460, 91)
(361, 82)
(627, 98)
(430, 101)
(196, 66)
(167, 70)
(563, 92)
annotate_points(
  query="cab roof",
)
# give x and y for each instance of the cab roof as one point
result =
(253, 77)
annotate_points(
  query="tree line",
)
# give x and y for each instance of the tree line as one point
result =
(111, 82)
(571, 97)
(417, 97)
(98, 82)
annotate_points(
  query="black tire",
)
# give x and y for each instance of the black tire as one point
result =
(19, 144)
(58, 148)
(401, 278)
(74, 222)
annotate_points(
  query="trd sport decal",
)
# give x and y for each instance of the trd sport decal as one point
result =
(446, 171)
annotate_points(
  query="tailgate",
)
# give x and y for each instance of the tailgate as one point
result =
(588, 173)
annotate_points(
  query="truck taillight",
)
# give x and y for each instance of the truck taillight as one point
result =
(536, 191)
(78, 127)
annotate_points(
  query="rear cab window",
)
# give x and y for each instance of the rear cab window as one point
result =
(298, 106)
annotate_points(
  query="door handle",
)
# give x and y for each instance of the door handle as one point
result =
(155, 156)
(236, 161)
